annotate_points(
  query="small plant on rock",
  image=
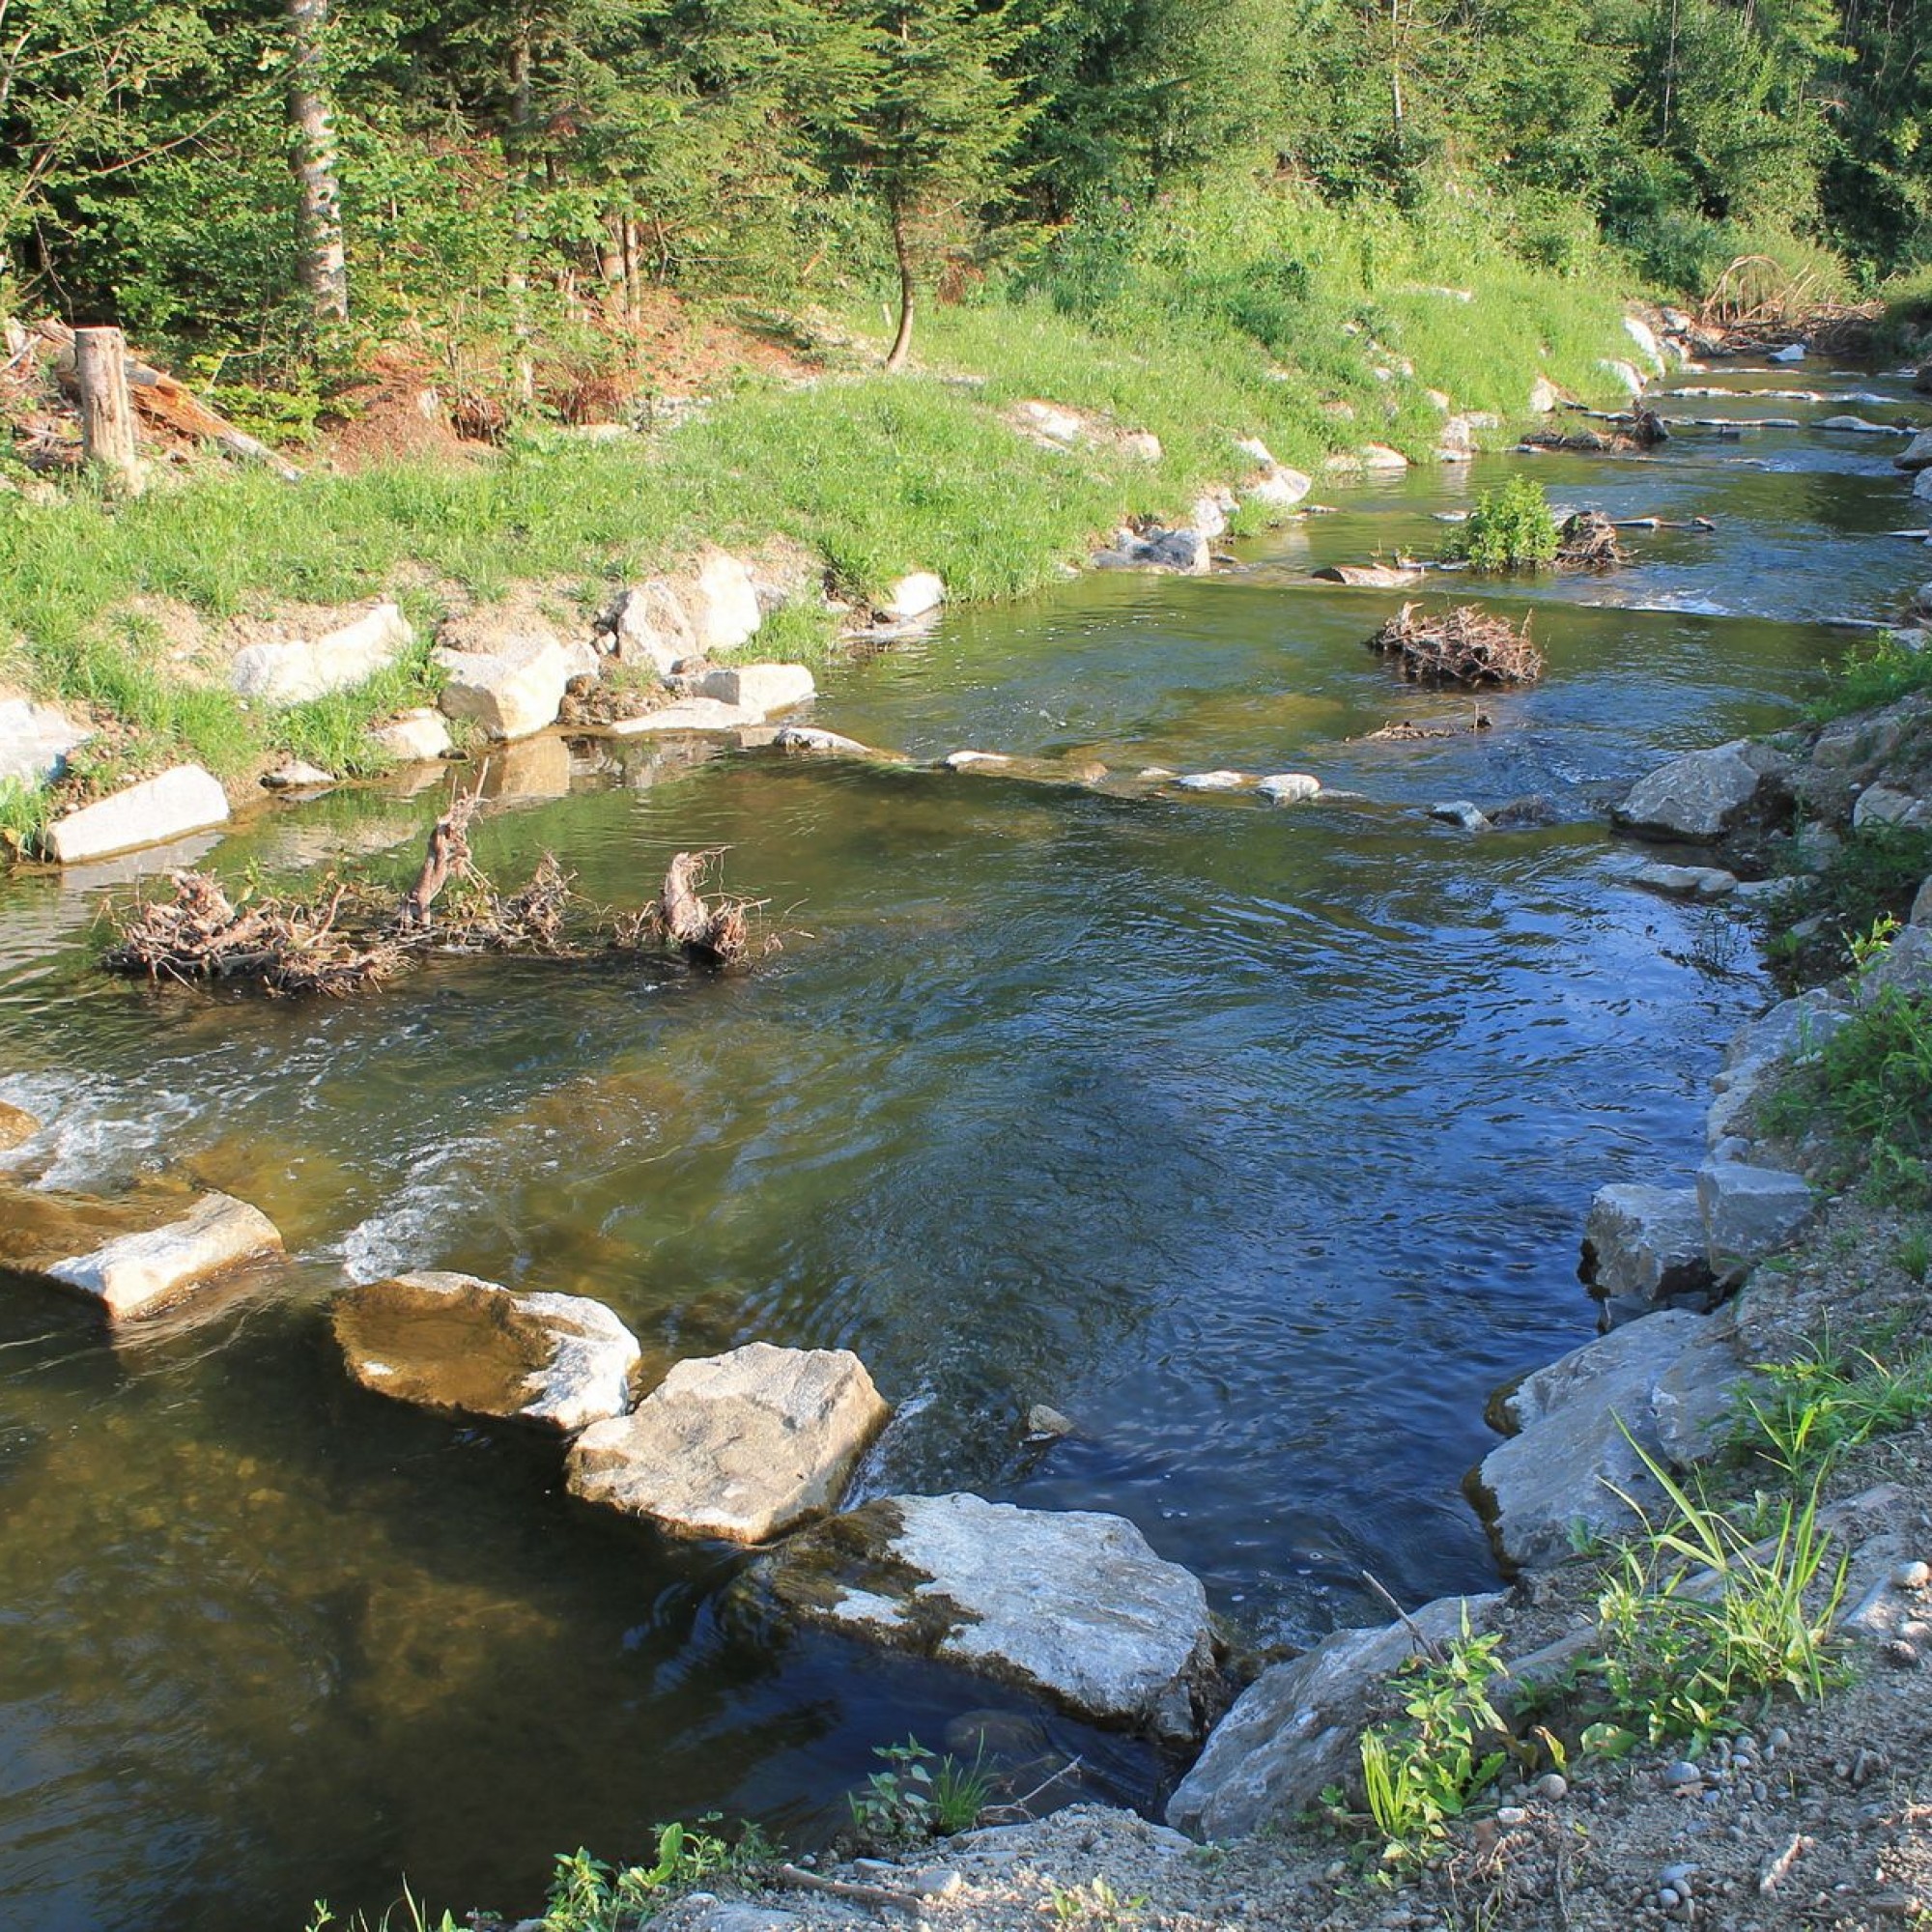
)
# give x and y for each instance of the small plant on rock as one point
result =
(1511, 529)
(918, 1796)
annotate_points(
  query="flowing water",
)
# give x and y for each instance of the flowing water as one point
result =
(1257, 1140)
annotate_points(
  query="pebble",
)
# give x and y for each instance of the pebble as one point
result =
(1678, 1877)
(1780, 1740)
(1667, 1896)
(1911, 1576)
(1552, 1785)
(1901, 1655)
(1511, 1814)
(1681, 1771)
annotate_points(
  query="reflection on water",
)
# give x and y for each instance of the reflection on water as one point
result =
(1258, 1141)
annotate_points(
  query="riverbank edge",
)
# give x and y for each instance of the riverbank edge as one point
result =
(143, 666)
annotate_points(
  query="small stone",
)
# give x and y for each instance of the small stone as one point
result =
(1777, 1740)
(1681, 1771)
(1222, 781)
(17, 1127)
(1667, 1896)
(1678, 1877)
(1911, 1576)
(1511, 1814)
(1552, 1785)
(1461, 811)
(1043, 1420)
(1290, 787)
(1901, 1655)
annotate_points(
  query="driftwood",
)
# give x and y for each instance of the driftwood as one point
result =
(170, 403)
(1405, 731)
(1465, 645)
(351, 937)
(1635, 428)
(1588, 541)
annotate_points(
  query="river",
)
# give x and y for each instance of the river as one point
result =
(1257, 1140)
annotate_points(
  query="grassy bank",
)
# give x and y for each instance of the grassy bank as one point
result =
(1256, 316)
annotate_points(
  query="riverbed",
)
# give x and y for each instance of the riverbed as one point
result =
(1257, 1140)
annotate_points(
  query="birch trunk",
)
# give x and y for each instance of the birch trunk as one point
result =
(324, 265)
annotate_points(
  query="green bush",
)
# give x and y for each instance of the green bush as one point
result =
(1511, 529)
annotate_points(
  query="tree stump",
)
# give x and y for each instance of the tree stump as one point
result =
(107, 439)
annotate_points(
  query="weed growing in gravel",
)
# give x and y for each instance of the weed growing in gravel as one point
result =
(1423, 1769)
(918, 1796)
(1700, 1616)
(1873, 875)
(589, 1895)
(1824, 1401)
(1095, 1906)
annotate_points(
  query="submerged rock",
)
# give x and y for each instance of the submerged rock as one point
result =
(1296, 1729)
(132, 1254)
(1070, 1604)
(450, 1342)
(1687, 882)
(17, 1127)
(742, 1446)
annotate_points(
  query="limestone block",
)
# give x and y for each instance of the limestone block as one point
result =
(186, 799)
(294, 672)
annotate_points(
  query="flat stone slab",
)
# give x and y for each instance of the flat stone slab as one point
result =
(186, 799)
(296, 671)
(1296, 1729)
(763, 688)
(35, 740)
(1557, 1483)
(132, 1254)
(1070, 1604)
(1687, 882)
(742, 1446)
(451, 1342)
(690, 714)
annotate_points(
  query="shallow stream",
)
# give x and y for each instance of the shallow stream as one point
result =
(1257, 1140)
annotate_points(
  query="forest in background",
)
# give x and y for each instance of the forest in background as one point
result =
(244, 186)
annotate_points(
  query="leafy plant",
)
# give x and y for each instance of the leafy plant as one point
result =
(587, 1894)
(1877, 669)
(1511, 529)
(1823, 1402)
(918, 1796)
(1422, 1770)
(1094, 1904)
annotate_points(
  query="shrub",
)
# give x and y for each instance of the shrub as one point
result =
(1511, 529)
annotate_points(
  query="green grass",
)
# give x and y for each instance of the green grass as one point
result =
(1875, 672)
(1826, 1400)
(1232, 314)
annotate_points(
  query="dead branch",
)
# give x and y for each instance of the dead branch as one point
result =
(448, 852)
(1588, 541)
(711, 929)
(1465, 645)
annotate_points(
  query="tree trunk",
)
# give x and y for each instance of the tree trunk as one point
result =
(901, 347)
(325, 266)
(106, 412)
(524, 372)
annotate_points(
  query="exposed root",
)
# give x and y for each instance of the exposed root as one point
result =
(1588, 541)
(351, 937)
(1465, 645)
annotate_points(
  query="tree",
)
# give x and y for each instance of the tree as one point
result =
(325, 263)
(929, 132)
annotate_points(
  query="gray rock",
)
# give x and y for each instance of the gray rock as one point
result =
(1208, 518)
(1290, 787)
(1279, 486)
(304, 669)
(415, 738)
(722, 602)
(1749, 1212)
(35, 740)
(1922, 486)
(136, 1272)
(186, 799)
(963, 761)
(1702, 794)
(1884, 805)
(763, 688)
(1543, 396)
(1069, 1603)
(1185, 551)
(1210, 781)
(451, 1342)
(827, 744)
(1296, 1729)
(1855, 426)
(1699, 882)
(742, 1446)
(650, 625)
(1577, 1469)
(1696, 1399)
(1645, 1247)
(1916, 454)
(1461, 811)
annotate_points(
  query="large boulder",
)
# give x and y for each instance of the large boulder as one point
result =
(185, 798)
(466, 1347)
(511, 691)
(1645, 1248)
(130, 1255)
(1703, 794)
(1296, 1729)
(1071, 1604)
(303, 668)
(650, 626)
(742, 1446)
(35, 740)
(1577, 1470)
